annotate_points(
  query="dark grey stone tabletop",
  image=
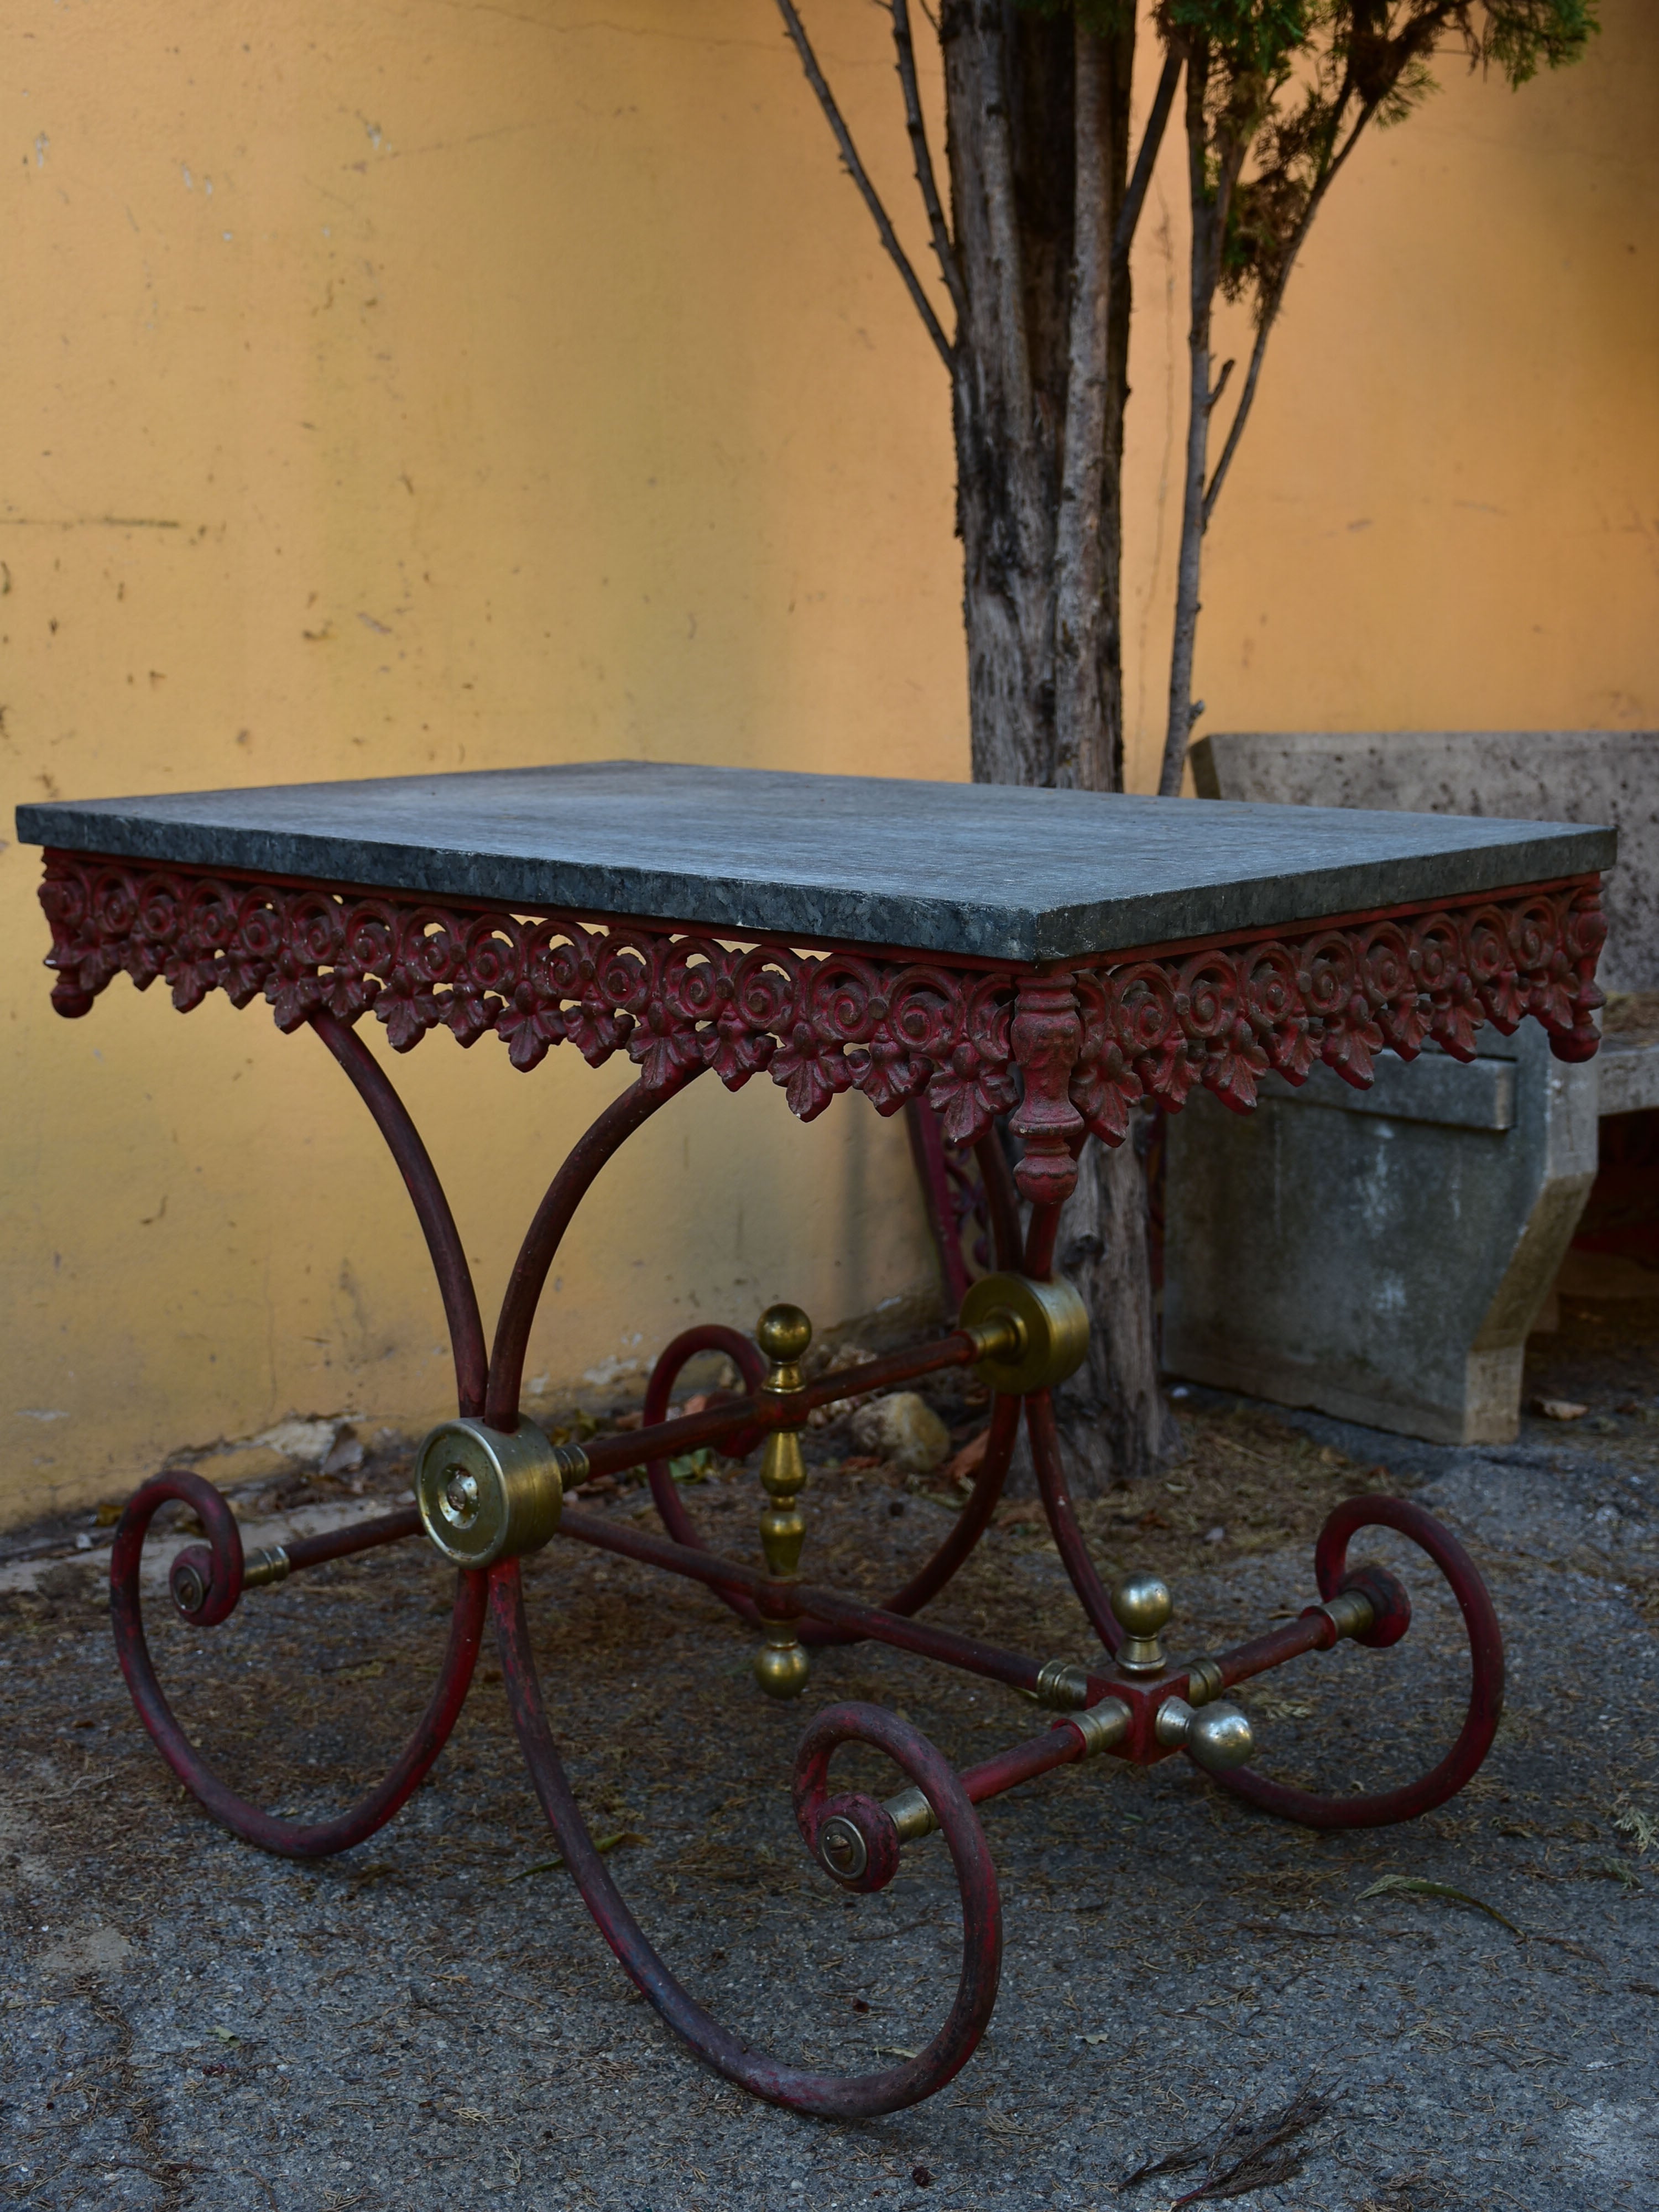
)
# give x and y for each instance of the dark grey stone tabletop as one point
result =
(975, 870)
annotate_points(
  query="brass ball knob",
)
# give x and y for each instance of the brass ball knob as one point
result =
(783, 1334)
(1220, 1737)
(782, 1670)
(1217, 1737)
(1142, 1604)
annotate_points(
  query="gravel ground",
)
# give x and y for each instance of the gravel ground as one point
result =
(432, 2020)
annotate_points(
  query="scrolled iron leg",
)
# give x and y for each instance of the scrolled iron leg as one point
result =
(800, 2089)
(1391, 1616)
(1055, 1493)
(292, 1839)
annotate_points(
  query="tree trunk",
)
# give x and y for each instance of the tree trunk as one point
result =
(1010, 188)
(1114, 1420)
(1037, 114)
(1088, 709)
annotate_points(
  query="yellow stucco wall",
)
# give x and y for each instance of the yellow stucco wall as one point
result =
(438, 385)
(1445, 513)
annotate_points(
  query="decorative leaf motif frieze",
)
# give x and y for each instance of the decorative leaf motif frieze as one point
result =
(1080, 1048)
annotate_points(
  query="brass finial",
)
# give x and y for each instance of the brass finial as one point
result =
(783, 1334)
(782, 1664)
(1142, 1604)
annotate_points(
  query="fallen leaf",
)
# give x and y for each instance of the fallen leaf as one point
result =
(1612, 1870)
(1413, 1885)
(604, 1844)
(967, 1462)
(1275, 1708)
(382, 1870)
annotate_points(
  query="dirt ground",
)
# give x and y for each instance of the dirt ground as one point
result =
(431, 2019)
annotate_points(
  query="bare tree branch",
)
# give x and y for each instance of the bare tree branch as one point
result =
(856, 170)
(944, 244)
(1269, 315)
(1210, 206)
(1128, 215)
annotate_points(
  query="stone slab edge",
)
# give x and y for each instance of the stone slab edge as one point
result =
(1390, 860)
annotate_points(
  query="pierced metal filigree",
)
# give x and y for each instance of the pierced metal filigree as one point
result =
(1072, 1050)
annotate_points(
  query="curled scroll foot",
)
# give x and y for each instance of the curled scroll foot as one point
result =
(1380, 1808)
(223, 1587)
(800, 2089)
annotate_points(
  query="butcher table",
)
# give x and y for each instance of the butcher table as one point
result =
(1032, 962)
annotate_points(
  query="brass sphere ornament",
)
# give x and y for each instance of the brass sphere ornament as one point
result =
(1217, 1737)
(783, 1334)
(1221, 1737)
(1142, 1604)
(782, 1669)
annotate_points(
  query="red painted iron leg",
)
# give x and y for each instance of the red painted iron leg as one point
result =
(801, 2089)
(292, 1839)
(542, 1239)
(443, 1239)
(1380, 1808)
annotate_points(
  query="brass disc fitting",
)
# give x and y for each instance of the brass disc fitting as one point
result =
(1031, 1334)
(485, 1495)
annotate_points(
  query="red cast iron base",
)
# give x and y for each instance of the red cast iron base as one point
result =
(207, 1582)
